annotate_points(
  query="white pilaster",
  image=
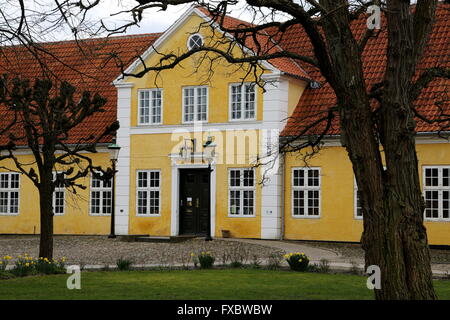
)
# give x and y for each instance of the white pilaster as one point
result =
(123, 163)
(275, 113)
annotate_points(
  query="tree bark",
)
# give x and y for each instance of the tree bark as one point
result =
(46, 211)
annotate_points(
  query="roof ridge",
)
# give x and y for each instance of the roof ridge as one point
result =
(124, 36)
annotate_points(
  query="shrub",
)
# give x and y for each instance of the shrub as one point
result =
(123, 264)
(45, 266)
(297, 261)
(256, 263)
(206, 260)
(236, 264)
(324, 266)
(27, 265)
(4, 263)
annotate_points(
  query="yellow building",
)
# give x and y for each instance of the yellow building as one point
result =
(190, 139)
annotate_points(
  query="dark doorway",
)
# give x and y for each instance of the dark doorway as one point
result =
(194, 201)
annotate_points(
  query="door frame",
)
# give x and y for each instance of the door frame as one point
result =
(175, 195)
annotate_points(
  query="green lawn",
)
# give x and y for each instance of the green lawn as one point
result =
(197, 284)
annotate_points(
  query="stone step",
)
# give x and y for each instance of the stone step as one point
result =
(163, 238)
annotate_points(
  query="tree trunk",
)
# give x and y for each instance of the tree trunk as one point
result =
(46, 210)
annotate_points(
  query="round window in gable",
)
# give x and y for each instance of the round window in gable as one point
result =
(195, 41)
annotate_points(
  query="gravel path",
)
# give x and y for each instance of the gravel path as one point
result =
(354, 251)
(87, 250)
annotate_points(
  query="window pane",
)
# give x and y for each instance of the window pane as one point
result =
(154, 179)
(248, 202)
(154, 202)
(235, 178)
(107, 202)
(299, 202)
(431, 203)
(313, 177)
(248, 178)
(236, 102)
(4, 181)
(95, 202)
(445, 177)
(431, 177)
(299, 177)
(249, 101)
(445, 204)
(235, 202)
(142, 179)
(4, 202)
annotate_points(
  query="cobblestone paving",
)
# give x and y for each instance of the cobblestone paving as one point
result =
(90, 250)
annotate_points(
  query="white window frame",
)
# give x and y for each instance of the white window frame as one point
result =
(10, 190)
(241, 188)
(440, 188)
(193, 35)
(195, 104)
(58, 189)
(306, 188)
(355, 201)
(150, 115)
(148, 189)
(230, 101)
(101, 190)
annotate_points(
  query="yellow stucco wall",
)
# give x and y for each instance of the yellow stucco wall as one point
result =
(337, 222)
(189, 73)
(76, 218)
(150, 152)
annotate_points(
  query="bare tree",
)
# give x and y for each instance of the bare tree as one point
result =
(42, 118)
(369, 117)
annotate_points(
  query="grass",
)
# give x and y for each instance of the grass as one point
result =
(197, 284)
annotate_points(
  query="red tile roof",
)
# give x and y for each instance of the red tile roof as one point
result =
(314, 103)
(286, 65)
(86, 64)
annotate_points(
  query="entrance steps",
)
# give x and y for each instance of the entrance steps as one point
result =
(148, 238)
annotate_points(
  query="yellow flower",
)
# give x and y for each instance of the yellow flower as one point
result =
(27, 264)
(192, 254)
(1, 262)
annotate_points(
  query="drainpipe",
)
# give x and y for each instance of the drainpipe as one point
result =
(283, 190)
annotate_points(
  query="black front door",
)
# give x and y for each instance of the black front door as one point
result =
(194, 201)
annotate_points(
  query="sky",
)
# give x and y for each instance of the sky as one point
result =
(153, 20)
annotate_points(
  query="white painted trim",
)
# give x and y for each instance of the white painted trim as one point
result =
(195, 105)
(305, 189)
(148, 189)
(190, 37)
(241, 188)
(173, 28)
(230, 109)
(101, 190)
(54, 198)
(9, 190)
(439, 188)
(355, 200)
(175, 192)
(150, 106)
(191, 127)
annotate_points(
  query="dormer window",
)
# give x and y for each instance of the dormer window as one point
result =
(195, 41)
